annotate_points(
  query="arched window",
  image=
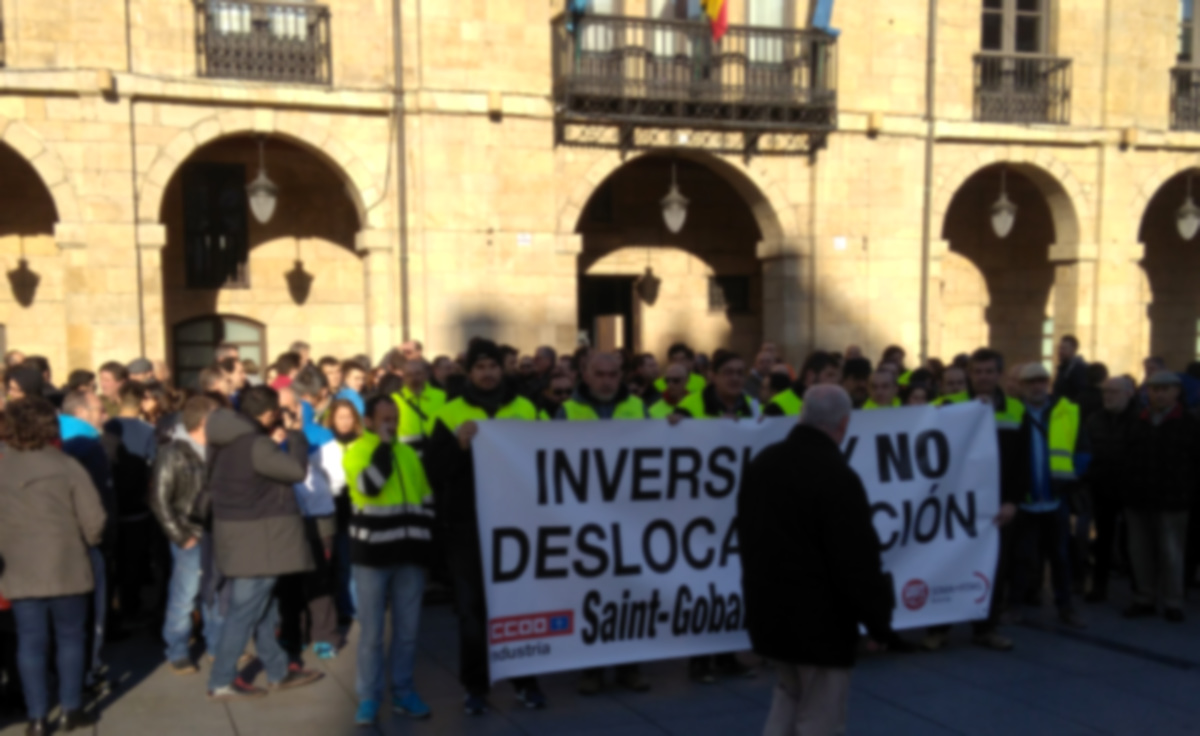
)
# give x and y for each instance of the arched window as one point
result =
(196, 342)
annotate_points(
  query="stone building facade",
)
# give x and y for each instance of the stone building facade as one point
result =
(527, 199)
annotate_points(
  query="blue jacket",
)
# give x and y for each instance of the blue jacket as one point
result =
(82, 441)
(313, 432)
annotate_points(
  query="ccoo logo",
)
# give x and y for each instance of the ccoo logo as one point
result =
(531, 626)
(915, 594)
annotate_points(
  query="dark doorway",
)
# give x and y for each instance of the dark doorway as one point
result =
(603, 296)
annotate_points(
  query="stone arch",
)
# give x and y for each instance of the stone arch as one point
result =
(1068, 201)
(316, 138)
(775, 215)
(46, 162)
(1151, 185)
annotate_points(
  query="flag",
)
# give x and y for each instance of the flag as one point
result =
(718, 16)
(575, 12)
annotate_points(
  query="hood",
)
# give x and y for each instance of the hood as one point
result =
(226, 425)
(313, 432)
(73, 427)
(180, 433)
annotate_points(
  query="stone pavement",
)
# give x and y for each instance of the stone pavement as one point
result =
(1118, 677)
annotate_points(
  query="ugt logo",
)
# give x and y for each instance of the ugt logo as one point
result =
(531, 626)
(915, 594)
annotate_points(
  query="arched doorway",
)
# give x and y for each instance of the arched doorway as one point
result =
(1171, 265)
(194, 344)
(298, 275)
(1018, 305)
(32, 298)
(706, 282)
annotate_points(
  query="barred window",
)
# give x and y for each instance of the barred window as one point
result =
(216, 237)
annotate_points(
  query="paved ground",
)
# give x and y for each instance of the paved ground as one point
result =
(1118, 677)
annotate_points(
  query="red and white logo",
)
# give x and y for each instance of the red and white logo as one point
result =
(987, 586)
(531, 626)
(915, 594)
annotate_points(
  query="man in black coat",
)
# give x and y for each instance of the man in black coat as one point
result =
(811, 567)
(1072, 377)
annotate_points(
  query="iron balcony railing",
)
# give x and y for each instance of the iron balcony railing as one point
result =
(1019, 88)
(1185, 98)
(640, 71)
(273, 42)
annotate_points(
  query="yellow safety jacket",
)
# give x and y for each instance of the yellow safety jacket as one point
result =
(661, 409)
(578, 411)
(396, 524)
(1011, 416)
(788, 402)
(1061, 436)
(695, 384)
(870, 404)
(695, 406)
(458, 412)
(418, 414)
(957, 398)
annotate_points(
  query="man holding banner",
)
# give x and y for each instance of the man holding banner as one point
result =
(449, 462)
(811, 567)
(602, 396)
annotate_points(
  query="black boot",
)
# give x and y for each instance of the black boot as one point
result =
(37, 728)
(74, 719)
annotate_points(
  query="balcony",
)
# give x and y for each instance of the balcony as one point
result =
(268, 42)
(638, 83)
(1185, 98)
(1012, 88)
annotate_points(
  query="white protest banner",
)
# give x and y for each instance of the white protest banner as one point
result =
(614, 541)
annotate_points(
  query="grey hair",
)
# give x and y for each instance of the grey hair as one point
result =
(825, 407)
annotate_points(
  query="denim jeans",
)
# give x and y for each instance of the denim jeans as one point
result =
(1043, 537)
(182, 593)
(402, 588)
(252, 611)
(99, 609)
(346, 596)
(33, 617)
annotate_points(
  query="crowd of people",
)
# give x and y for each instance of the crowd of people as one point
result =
(284, 505)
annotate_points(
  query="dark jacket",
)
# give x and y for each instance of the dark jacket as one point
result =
(1071, 378)
(136, 447)
(811, 567)
(257, 527)
(50, 513)
(178, 477)
(1016, 474)
(1105, 438)
(1164, 462)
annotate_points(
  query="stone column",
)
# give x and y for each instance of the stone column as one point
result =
(1122, 316)
(786, 302)
(151, 239)
(935, 315)
(1074, 293)
(72, 243)
(381, 293)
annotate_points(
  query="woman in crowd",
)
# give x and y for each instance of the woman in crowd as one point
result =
(346, 424)
(50, 513)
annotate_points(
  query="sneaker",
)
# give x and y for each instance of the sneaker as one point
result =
(728, 665)
(631, 679)
(74, 719)
(324, 650)
(183, 667)
(237, 690)
(992, 640)
(368, 712)
(935, 641)
(531, 697)
(592, 682)
(412, 706)
(475, 705)
(1139, 610)
(1174, 615)
(700, 670)
(297, 676)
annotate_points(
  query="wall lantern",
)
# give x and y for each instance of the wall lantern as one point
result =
(262, 192)
(647, 287)
(1004, 212)
(674, 206)
(1187, 220)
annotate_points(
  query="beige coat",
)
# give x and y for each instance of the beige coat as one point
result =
(50, 513)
